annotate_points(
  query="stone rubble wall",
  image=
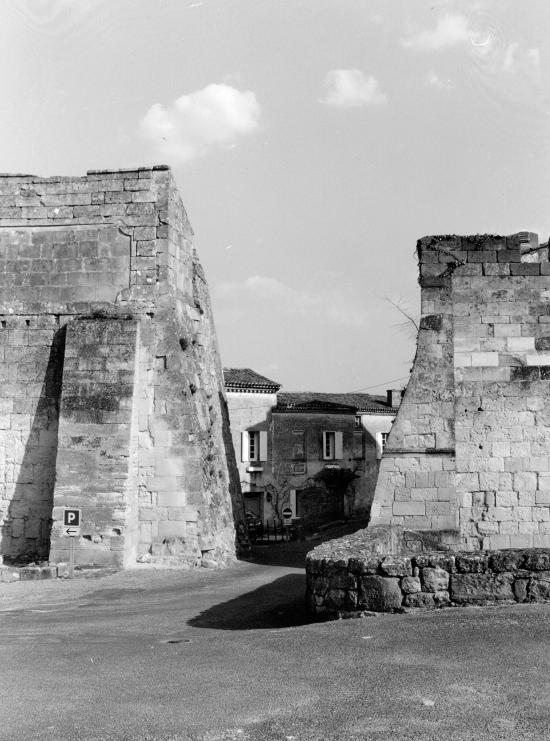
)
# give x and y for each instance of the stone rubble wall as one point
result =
(111, 375)
(467, 462)
(341, 585)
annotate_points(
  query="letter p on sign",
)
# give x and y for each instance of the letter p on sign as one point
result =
(71, 517)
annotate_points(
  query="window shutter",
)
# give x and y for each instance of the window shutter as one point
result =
(358, 445)
(338, 445)
(263, 445)
(379, 446)
(293, 502)
(245, 450)
(324, 449)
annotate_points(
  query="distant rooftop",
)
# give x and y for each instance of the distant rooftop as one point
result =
(249, 380)
(345, 402)
(245, 379)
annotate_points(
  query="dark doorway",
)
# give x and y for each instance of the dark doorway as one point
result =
(317, 505)
(253, 502)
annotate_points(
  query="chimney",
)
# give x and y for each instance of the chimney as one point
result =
(394, 397)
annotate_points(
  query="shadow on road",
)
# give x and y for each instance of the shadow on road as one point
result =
(280, 554)
(293, 553)
(280, 604)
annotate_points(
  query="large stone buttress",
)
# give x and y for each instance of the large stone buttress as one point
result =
(112, 397)
(467, 463)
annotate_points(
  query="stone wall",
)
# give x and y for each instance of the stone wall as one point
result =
(112, 397)
(345, 581)
(467, 461)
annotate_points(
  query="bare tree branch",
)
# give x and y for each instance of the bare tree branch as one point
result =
(411, 322)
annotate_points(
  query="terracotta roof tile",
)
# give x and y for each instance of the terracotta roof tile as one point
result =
(247, 378)
(309, 400)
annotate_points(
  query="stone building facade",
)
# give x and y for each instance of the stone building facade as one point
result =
(316, 453)
(112, 398)
(250, 399)
(467, 463)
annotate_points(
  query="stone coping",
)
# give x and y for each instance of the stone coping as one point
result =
(32, 572)
(344, 585)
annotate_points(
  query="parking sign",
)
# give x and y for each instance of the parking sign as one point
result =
(71, 522)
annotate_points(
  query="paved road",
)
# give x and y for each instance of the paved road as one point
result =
(229, 656)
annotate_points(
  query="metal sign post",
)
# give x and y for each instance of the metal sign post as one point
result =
(287, 521)
(71, 558)
(71, 529)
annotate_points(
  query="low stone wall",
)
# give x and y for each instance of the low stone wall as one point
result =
(344, 585)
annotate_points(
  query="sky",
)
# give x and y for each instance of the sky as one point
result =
(313, 142)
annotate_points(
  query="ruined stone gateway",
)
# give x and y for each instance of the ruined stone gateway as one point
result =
(112, 395)
(467, 463)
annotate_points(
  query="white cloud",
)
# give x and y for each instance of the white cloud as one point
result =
(349, 88)
(329, 300)
(434, 80)
(216, 116)
(498, 56)
(486, 44)
(516, 60)
(56, 16)
(451, 30)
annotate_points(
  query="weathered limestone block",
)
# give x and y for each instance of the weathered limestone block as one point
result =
(9, 574)
(379, 593)
(419, 599)
(33, 573)
(444, 561)
(435, 580)
(536, 560)
(335, 599)
(396, 566)
(410, 584)
(476, 587)
(364, 565)
(442, 598)
(509, 561)
(538, 589)
(472, 564)
(342, 579)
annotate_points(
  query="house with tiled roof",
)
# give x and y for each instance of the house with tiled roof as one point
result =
(248, 381)
(314, 454)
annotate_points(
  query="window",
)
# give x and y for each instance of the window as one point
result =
(298, 452)
(328, 445)
(332, 445)
(254, 446)
(358, 452)
(381, 440)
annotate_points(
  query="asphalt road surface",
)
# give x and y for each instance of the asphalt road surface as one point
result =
(229, 656)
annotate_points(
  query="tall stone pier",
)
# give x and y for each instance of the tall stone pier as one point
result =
(111, 394)
(467, 462)
(461, 511)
